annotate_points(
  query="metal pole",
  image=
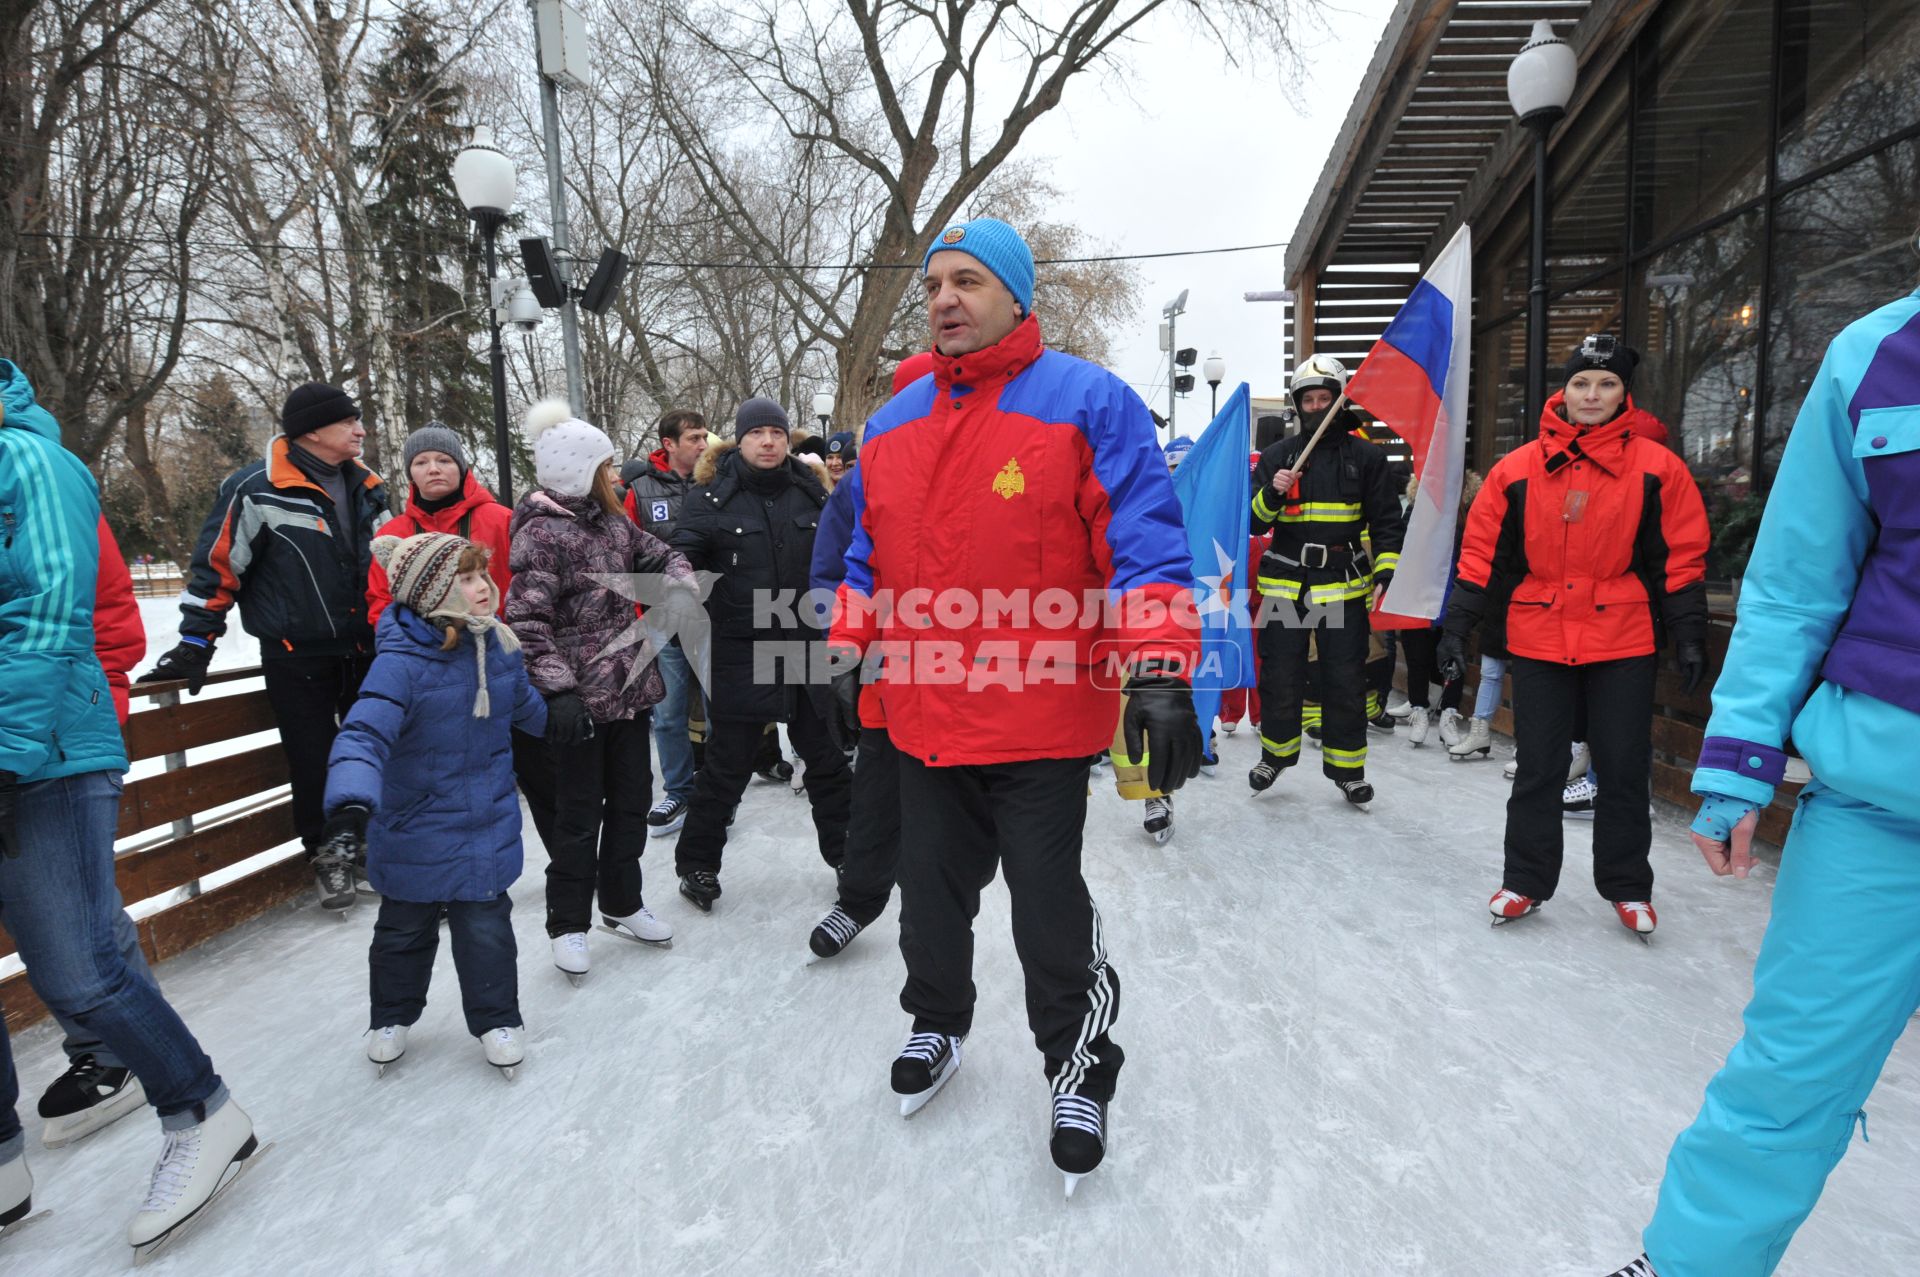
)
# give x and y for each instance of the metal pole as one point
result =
(1537, 288)
(1173, 369)
(557, 202)
(1216, 397)
(502, 452)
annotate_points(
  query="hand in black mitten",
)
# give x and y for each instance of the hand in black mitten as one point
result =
(188, 660)
(345, 834)
(568, 722)
(9, 822)
(1451, 656)
(1160, 728)
(1691, 654)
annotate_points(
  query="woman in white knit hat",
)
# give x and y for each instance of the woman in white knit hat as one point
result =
(420, 784)
(569, 535)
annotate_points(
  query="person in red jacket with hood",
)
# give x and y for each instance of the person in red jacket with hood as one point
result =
(1013, 479)
(442, 496)
(1593, 539)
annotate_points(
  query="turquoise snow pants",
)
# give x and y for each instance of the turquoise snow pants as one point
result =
(1837, 979)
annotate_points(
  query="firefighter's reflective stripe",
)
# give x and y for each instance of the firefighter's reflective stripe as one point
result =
(1262, 508)
(1320, 512)
(1354, 758)
(1284, 749)
(1330, 592)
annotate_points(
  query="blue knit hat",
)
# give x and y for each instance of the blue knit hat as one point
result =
(996, 246)
(1177, 449)
(841, 444)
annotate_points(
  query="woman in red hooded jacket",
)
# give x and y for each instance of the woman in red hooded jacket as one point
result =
(1593, 539)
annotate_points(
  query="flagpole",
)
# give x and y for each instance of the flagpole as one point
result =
(1300, 462)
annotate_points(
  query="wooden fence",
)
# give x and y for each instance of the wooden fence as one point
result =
(184, 847)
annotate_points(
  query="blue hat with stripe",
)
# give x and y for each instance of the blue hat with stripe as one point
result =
(996, 246)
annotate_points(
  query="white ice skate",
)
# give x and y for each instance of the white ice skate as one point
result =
(504, 1049)
(639, 925)
(923, 1066)
(197, 1164)
(1417, 724)
(570, 955)
(1453, 728)
(386, 1045)
(1159, 821)
(1230, 728)
(1512, 768)
(16, 1196)
(1398, 706)
(1478, 742)
(1579, 761)
(88, 1097)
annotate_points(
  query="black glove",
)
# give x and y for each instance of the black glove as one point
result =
(568, 722)
(1451, 656)
(187, 661)
(9, 823)
(842, 710)
(1691, 654)
(1160, 727)
(345, 834)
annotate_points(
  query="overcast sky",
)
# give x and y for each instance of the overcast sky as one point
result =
(1184, 152)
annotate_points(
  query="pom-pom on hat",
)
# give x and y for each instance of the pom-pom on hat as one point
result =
(421, 569)
(567, 452)
(996, 246)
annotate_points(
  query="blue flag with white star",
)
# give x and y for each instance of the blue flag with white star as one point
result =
(1215, 502)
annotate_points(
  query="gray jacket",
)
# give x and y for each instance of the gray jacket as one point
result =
(654, 496)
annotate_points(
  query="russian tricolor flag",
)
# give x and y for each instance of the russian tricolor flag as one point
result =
(1415, 380)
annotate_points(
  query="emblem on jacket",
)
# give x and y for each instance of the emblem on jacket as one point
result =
(659, 511)
(1010, 483)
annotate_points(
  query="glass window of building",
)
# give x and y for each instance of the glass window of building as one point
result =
(1849, 76)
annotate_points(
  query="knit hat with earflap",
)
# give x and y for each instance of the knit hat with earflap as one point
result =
(567, 452)
(424, 572)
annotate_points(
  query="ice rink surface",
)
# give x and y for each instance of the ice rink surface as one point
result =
(1335, 1066)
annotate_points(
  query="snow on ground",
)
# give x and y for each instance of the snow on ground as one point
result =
(1335, 1066)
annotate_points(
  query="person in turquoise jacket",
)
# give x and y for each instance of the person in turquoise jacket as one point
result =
(1827, 652)
(61, 759)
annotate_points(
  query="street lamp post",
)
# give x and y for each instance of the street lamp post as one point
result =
(1216, 371)
(1539, 86)
(484, 178)
(823, 408)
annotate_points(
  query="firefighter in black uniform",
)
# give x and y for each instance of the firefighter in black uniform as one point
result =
(1319, 581)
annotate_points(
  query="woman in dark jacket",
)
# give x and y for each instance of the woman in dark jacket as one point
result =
(584, 655)
(754, 523)
(1602, 538)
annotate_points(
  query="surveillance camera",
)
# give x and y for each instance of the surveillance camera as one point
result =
(523, 309)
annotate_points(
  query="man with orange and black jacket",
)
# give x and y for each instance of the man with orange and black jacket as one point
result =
(1337, 528)
(290, 541)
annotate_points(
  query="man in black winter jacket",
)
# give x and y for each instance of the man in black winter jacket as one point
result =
(289, 541)
(754, 524)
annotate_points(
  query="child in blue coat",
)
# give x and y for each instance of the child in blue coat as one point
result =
(421, 780)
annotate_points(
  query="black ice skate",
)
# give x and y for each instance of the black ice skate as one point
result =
(1357, 792)
(87, 1097)
(333, 879)
(1079, 1137)
(702, 888)
(835, 932)
(922, 1068)
(1638, 1268)
(1159, 821)
(1266, 771)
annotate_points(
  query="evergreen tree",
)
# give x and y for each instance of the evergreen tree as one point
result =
(429, 261)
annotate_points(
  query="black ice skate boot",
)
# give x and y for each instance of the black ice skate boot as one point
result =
(834, 933)
(1357, 792)
(1638, 1268)
(1079, 1137)
(923, 1067)
(702, 888)
(1266, 771)
(85, 1098)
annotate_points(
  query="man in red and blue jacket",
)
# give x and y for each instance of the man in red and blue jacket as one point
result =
(1017, 557)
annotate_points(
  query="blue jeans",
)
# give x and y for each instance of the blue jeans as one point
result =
(1837, 979)
(59, 902)
(1486, 698)
(672, 751)
(400, 961)
(80, 1041)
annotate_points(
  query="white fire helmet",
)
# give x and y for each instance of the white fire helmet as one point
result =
(1318, 372)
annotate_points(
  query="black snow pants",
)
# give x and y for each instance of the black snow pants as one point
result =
(602, 788)
(1028, 817)
(1618, 697)
(732, 747)
(1340, 632)
(310, 695)
(873, 828)
(1423, 669)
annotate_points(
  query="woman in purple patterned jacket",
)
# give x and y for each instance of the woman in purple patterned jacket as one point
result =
(568, 536)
